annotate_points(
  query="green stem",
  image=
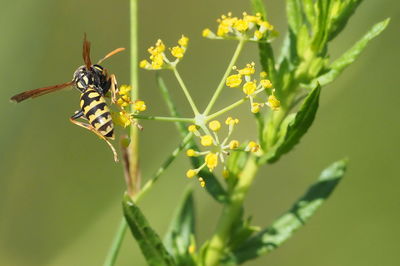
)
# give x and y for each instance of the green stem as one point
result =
(116, 244)
(226, 74)
(226, 109)
(134, 135)
(186, 91)
(230, 214)
(163, 118)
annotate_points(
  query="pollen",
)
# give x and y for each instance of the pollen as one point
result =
(122, 118)
(191, 173)
(206, 140)
(234, 80)
(177, 52)
(211, 161)
(249, 87)
(273, 103)
(139, 106)
(214, 125)
(183, 41)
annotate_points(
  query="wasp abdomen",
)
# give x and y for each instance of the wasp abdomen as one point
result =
(96, 111)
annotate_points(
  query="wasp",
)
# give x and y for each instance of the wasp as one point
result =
(93, 82)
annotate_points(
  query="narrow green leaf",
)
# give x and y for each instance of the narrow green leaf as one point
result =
(213, 186)
(284, 227)
(178, 237)
(259, 7)
(350, 56)
(266, 52)
(341, 16)
(294, 128)
(148, 240)
(294, 15)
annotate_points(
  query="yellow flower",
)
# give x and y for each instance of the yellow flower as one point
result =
(248, 70)
(273, 103)
(249, 87)
(183, 41)
(206, 33)
(211, 160)
(192, 128)
(191, 173)
(252, 146)
(121, 102)
(258, 35)
(177, 51)
(222, 30)
(124, 89)
(157, 61)
(234, 144)
(206, 140)
(234, 80)
(202, 182)
(263, 75)
(255, 108)
(231, 121)
(144, 64)
(250, 18)
(241, 25)
(160, 47)
(122, 118)
(266, 83)
(139, 106)
(214, 125)
(191, 152)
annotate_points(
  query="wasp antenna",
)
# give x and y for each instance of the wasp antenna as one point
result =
(116, 51)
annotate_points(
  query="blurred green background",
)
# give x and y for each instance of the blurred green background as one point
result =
(60, 191)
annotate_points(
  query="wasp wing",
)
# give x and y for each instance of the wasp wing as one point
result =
(86, 52)
(39, 92)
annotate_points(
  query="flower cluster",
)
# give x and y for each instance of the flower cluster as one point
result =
(124, 117)
(251, 88)
(252, 28)
(158, 57)
(218, 149)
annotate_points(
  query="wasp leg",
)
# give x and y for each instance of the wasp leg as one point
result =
(113, 88)
(91, 128)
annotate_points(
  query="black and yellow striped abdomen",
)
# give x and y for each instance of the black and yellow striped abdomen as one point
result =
(96, 111)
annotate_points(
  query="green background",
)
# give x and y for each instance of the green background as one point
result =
(60, 191)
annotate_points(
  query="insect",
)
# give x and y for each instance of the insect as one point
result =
(93, 82)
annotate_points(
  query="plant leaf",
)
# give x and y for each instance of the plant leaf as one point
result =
(259, 7)
(350, 56)
(294, 127)
(213, 186)
(267, 57)
(283, 228)
(179, 235)
(340, 19)
(294, 15)
(148, 240)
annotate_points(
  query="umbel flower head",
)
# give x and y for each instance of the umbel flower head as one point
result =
(158, 58)
(249, 27)
(124, 117)
(251, 87)
(216, 150)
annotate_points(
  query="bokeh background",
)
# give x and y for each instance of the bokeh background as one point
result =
(60, 191)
